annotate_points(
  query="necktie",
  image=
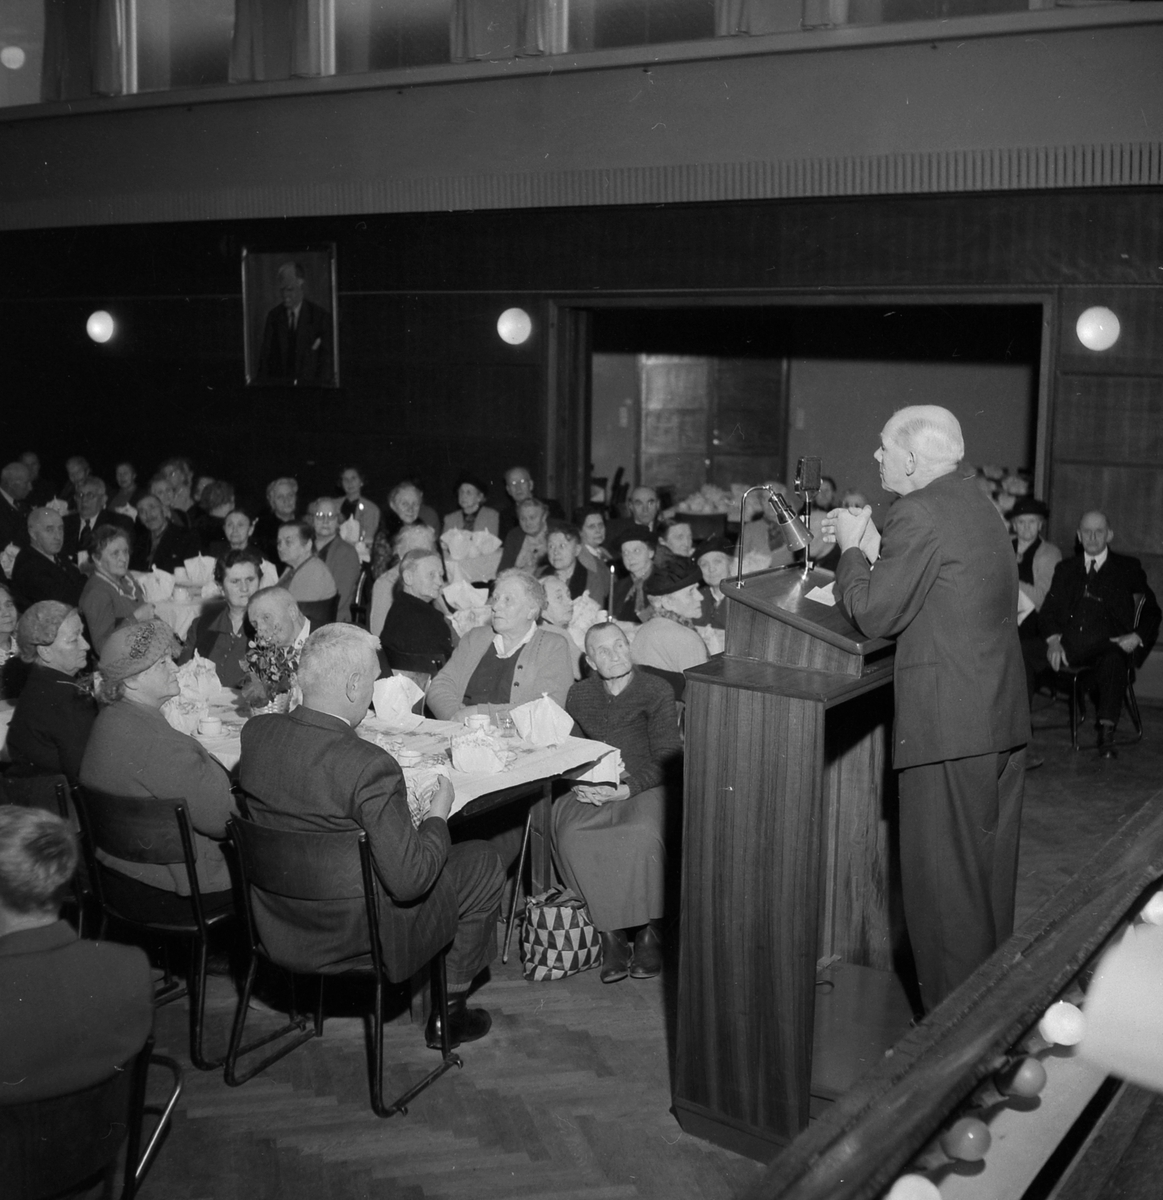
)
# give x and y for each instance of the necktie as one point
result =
(1093, 567)
(86, 538)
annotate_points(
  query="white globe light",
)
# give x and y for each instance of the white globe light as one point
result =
(12, 57)
(1098, 328)
(1063, 1024)
(99, 326)
(1153, 910)
(914, 1187)
(514, 326)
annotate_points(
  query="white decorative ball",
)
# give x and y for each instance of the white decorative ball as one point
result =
(1098, 328)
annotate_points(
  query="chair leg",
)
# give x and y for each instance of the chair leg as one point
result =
(517, 883)
(448, 1060)
(1132, 703)
(236, 1049)
(196, 990)
(1075, 710)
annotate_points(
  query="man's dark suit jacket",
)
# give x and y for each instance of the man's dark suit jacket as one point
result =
(175, 546)
(13, 525)
(51, 726)
(1116, 583)
(312, 362)
(946, 587)
(72, 1011)
(38, 577)
(308, 770)
(72, 542)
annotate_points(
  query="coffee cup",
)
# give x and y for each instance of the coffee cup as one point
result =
(210, 726)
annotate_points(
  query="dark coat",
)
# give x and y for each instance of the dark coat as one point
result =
(415, 637)
(1116, 584)
(72, 542)
(173, 548)
(213, 637)
(72, 1011)
(50, 728)
(38, 577)
(307, 770)
(13, 524)
(309, 361)
(946, 588)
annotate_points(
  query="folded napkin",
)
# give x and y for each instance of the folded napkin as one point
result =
(480, 751)
(62, 506)
(393, 699)
(608, 769)
(156, 584)
(200, 569)
(460, 543)
(184, 715)
(350, 530)
(462, 595)
(270, 574)
(198, 680)
(542, 722)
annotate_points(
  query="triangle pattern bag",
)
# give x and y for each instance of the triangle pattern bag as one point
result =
(557, 936)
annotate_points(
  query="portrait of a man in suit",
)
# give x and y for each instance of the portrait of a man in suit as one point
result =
(297, 344)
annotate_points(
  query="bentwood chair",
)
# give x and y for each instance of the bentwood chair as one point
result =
(154, 831)
(56, 1146)
(320, 612)
(314, 868)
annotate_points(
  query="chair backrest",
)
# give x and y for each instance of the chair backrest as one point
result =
(676, 679)
(139, 829)
(38, 791)
(51, 1146)
(320, 612)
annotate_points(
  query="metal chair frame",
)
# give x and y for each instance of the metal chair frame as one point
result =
(318, 883)
(161, 835)
(33, 1171)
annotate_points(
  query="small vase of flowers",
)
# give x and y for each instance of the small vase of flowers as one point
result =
(271, 676)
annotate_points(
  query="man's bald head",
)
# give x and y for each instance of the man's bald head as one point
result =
(46, 530)
(931, 433)
(275, 616)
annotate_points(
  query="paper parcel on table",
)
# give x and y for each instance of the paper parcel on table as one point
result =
(156, 584)
(198, 680)
(543, 722)
(393, 700)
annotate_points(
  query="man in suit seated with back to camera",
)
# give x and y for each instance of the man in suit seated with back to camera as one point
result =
(309, 770)
(1088, 619)
(72, 1011)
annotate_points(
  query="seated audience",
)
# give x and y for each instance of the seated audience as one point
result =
(73, 1011)
(591, 522)
(353, 481)
(92, 512)
(668, 640)
(1037, 560)
(76, 471)
(15, 484)
(208, 516)
(276, 618)
(411, 537)
(42, 572)
(112, 596)
(54, 715)
(525, 546)
(8, 620)
(282, 509)
(42, 490)
(472, 514)
(519, 487)
(221, 632)
(309, 770)
(508, 663)
(128, 493)
(609, 841)
(415, 636)
(675, 540)
(764, 535)
(179, 474)
(636, 545)
(557, 615)
(644, 505)
(159, 542)
(306, 576)
(1088, 619)
(162, 490)
(716, 563)
(134, 751)
(563, 550)
(338, 556)
(853, 500)
(406, 509)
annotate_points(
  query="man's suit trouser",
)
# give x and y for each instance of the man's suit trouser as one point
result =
(479, 878)
(959, 826)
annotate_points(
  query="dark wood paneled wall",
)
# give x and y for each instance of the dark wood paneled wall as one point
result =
(429, 387)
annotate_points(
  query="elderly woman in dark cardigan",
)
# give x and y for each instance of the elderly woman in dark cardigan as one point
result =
(609, 840)
(222, 631)
(416, 639)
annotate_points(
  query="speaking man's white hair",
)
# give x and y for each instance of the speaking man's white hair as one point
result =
(932, 433)
(333, 653)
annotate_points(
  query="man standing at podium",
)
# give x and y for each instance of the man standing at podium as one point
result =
(943, 582)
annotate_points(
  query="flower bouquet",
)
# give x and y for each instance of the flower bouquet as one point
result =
(271, 675)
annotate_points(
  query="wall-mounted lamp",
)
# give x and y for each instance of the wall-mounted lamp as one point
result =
(12, 57)
(100, 326)
(1098, 328)
(514, 325)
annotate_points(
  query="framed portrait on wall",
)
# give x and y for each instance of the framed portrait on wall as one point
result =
(291, 327)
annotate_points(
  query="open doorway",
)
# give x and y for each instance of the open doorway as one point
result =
(684, 395)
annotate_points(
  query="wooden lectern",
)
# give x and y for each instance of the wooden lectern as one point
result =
(785, 852)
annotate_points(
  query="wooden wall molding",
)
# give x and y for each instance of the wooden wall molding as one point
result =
(1128, 164)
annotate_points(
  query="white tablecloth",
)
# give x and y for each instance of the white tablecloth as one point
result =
(533, 763)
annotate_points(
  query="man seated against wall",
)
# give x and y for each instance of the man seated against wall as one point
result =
(42, 571)
(1089, 619)
(92, 512)
(72, 1011)
(134, 751)
(309, 770)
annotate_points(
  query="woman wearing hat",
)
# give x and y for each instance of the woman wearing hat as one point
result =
(668, 640)
(134, 751)
(637, 546)
(472, 514)
(1036, 558)
(54, 715)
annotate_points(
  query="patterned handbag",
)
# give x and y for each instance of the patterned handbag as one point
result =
(557, 936)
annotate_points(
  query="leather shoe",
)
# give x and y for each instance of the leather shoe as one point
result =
(615, 955)
(647, 960)
(1106, 741)
(464, 1024)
